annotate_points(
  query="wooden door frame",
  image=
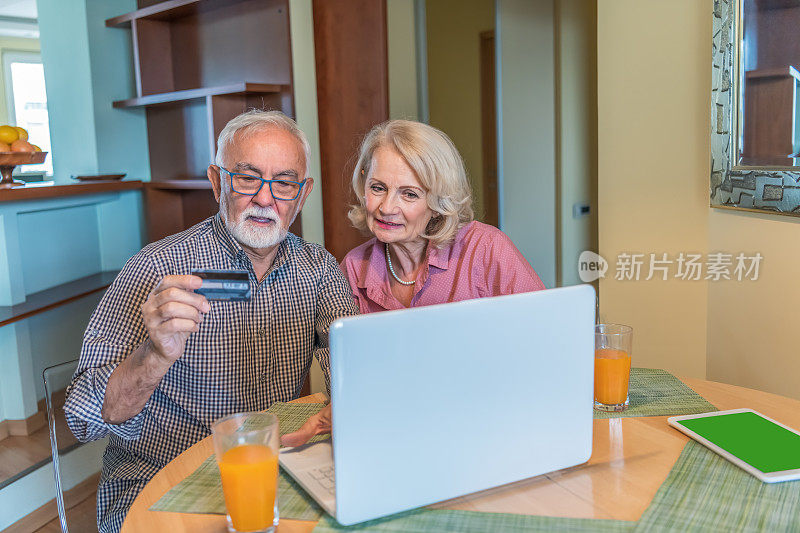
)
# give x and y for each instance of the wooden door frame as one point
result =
(352, 63)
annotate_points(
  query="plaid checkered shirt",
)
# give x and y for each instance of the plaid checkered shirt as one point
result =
(246, 355)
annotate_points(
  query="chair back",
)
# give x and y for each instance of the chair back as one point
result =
(56, 378)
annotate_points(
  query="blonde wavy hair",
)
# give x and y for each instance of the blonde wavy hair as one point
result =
(437, 164)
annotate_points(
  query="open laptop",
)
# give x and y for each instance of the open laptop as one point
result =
(437, 402)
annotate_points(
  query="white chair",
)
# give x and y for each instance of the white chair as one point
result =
(56, 378)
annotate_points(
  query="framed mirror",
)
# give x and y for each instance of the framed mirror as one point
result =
(755, 106)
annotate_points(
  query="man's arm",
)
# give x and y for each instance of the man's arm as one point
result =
(171, 313)
(114, 331)
(115, 337)
(335, 300)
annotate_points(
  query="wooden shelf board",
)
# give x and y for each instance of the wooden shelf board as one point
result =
(781, 72)
(187, 184)
(37, 192)
(170, 9)
(59, 295)
(193, 94)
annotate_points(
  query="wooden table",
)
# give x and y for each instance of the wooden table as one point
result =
(631, 458)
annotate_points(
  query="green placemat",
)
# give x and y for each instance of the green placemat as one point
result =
(201, 491)
(704, 492)
(444, 521)
(655, 392)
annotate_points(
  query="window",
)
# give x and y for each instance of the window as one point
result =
(27, 102)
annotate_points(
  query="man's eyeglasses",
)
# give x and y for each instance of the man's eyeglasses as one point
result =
(250, 185)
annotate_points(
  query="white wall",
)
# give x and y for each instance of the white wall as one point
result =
(12, 44)
(121, 133)
(86, 67)
(526, 130)
(301, 30)
(401, 29)
(304, 73)
(576, 26)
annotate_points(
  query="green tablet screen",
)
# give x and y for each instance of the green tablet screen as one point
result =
(752, 438)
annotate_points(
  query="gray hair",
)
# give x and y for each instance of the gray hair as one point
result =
(438, 166)
(257, 119)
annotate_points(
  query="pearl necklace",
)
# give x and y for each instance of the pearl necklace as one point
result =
(391, 268)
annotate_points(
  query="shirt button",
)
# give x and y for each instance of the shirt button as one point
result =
(262, 332)
(262, 378)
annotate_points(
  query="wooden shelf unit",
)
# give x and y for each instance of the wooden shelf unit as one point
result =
(199, 184)
(190, 60)
(166, 10)
(179, 204)
(237, 89)
(770, 134)
(35, 191)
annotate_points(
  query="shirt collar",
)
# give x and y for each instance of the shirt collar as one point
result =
(374, 274)
(439, 257)
(285, 249)
(374, 278)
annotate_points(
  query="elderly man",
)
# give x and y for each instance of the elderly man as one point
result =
(160, 362)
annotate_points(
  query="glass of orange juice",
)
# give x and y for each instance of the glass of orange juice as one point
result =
(246, 446)
(612, 366)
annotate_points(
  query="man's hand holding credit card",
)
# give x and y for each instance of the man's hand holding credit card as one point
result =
(224, 285)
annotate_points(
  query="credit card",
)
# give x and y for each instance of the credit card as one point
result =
(226, 285)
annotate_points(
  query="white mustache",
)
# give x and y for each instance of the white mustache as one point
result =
(260, 212)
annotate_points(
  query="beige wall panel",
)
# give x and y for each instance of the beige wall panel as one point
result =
(453, 29)
(400, 26)
(752, 325)
(653, 160)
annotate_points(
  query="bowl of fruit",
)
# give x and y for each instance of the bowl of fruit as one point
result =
(16, 150)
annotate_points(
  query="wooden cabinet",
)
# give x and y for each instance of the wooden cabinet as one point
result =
(199, 63)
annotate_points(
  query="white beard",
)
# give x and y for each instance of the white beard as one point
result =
(247, 233)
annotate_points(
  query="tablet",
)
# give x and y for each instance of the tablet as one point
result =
(759, 445)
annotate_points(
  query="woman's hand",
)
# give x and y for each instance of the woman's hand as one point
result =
(316, 425)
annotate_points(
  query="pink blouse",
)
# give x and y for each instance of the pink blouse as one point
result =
(481, 261)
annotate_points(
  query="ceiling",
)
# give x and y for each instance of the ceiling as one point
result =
(18, 8)
(18, 19)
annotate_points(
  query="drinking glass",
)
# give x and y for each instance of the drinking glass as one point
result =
(612, 366)
(246, 446)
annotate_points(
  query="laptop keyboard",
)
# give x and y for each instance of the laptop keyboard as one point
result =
(325, 477)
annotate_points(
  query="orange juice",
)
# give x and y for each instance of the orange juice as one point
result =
(612, 368)
(250, 480)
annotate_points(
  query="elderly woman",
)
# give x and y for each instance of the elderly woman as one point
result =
(414, 198)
